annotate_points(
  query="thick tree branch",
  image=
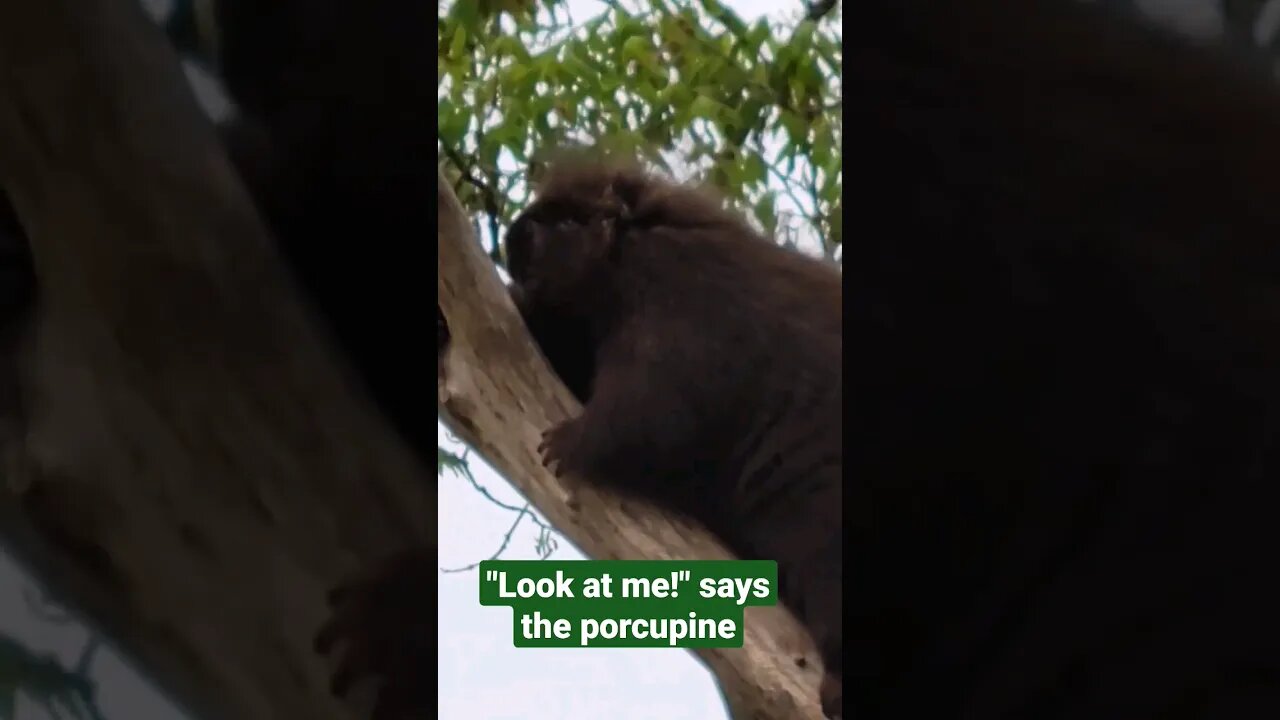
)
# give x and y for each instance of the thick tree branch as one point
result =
(190, 464)
(497, 394)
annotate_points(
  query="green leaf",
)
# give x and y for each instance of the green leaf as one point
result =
(509, 46)
(452, 123)
(755, 171)
(464, 14)
(518, 73)
(767, 213)
(755, 39)
(704, 107)
(802, 39)
(832, 165)
(458, 46)
(795, 126)
(822, 150)
(635, 48)
(574, 65)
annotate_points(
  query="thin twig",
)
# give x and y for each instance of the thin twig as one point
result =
(506, 540)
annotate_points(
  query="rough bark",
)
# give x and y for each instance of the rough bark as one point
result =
(497, 394)
(190, 464)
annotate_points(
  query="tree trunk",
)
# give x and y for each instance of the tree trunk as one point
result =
(190, 463)
(497, 394)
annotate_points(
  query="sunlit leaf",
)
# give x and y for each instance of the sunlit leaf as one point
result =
(458, 45)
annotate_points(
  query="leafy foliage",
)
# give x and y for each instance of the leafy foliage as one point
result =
(752, 107)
